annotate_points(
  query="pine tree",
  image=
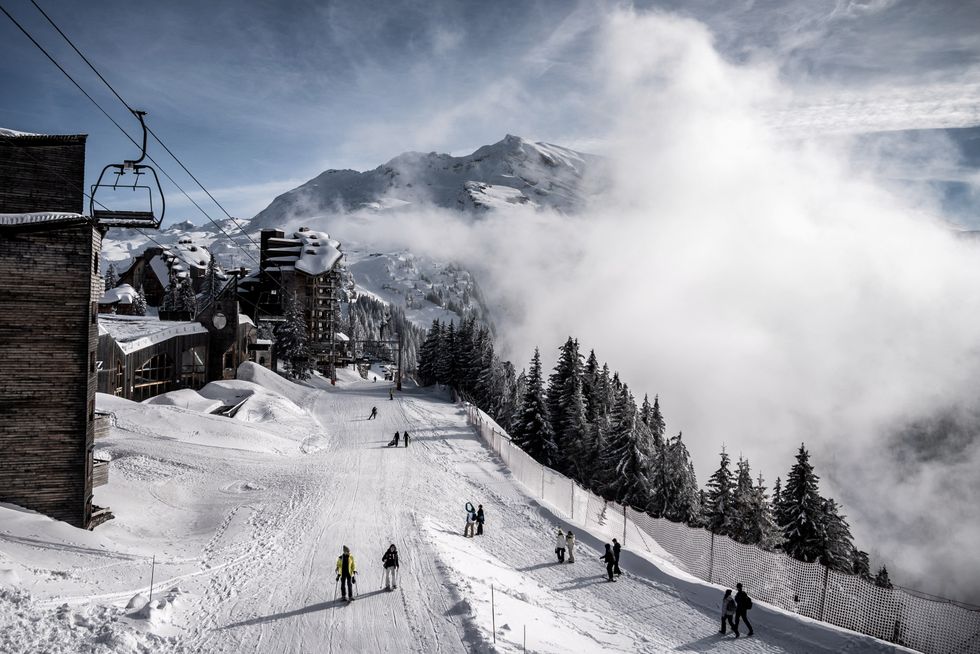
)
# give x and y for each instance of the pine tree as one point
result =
(882, 580)
(532, 429)
(862, 565)
(291, 342)
(186, 301)
(111, 277)
(566, 408)
(742, 503)
(170, 295)
(429, 354)
(625, 459)
(799, 512)
(139, 303)
(646, 410)
(719, 512)
(760, 527)
(676, 496)
(837, 551)
(212, 284)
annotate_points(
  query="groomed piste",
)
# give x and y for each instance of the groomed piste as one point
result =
(242, 519)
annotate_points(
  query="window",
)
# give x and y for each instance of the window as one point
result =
(153, 377)
(193, 367)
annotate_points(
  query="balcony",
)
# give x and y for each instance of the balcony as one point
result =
(100, 472)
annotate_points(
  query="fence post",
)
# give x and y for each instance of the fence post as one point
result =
(711, 558)
(624, 525)
(542, 482)
(823, 598)
(573, 501)
(493, 616)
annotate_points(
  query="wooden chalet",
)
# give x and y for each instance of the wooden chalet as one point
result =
(49, 273)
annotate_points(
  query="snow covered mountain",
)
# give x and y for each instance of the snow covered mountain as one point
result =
(511, 171)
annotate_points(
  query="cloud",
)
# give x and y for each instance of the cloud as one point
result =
(767, 289)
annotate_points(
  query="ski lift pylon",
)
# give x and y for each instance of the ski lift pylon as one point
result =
(134, 167)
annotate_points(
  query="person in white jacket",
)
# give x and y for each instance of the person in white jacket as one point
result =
(728, 612)
(570, 543)
(560, 546)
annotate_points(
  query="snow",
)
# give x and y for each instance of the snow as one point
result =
(12, 132)
(245, 522)
(122, 294)
(39, 217)
(318, 254)
(134, 333)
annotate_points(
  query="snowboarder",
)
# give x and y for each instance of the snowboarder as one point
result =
(727, 611)
(570, 544)
(390, 562)
(742, 604)
(615, 548)
(610, 560)
(560, 546)
(374, 413)
(346, 569)
(470, 520)
(479, 521)
(406, 439)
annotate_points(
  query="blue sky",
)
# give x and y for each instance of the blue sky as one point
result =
(258, 97)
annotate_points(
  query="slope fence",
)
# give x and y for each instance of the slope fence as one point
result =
(809, 589)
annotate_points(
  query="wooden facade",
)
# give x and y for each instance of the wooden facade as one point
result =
(42, 173)
(48, 324)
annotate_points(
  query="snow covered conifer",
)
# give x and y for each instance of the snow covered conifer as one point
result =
(566, 408)
(532, 429)
(170, 294)
(139, 303)
(882, 579)
(676, 484)
(760, 527)
(291, 342)
(742, 503)
(429, 354)
(111, 277)
(799, 511)
(838, 551)
(719, 512)
(186, 300)
(212, 284)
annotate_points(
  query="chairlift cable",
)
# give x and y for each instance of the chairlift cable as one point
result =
(125, 133)
(150, 129)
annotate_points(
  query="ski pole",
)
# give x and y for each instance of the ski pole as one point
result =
(335, 589)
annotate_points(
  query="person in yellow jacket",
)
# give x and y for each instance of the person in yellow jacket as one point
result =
(346, 569)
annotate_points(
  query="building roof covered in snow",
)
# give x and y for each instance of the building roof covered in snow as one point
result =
(122, 294)
(52, 218)
(134, 333)
(308, 251)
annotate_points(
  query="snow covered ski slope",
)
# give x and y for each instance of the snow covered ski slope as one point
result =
(247, 526)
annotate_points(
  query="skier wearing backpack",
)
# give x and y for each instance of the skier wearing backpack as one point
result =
(610, 560)
(390, 562)
(346, 569)
(727, 611)
(470, 521)
(742, 604)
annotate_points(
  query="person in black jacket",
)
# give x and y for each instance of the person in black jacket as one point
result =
(742, 604)
(615, 549)
(406, 437)
(390, 562)
(479, 521)
(610, 560)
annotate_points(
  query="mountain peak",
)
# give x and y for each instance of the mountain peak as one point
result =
(512, 171)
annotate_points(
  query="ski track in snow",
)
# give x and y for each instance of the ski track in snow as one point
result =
(257, 555)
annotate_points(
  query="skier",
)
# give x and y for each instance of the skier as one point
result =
(616, 547)
(390, 562)
(570, 544)
(560, 546)
(346, 569)
(479, 521)
(742, 604)
(396, 439)
(727, 611)
(470, 520)
(374, 413)
(610, 560)
(406, 439)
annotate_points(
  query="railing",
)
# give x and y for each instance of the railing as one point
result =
(810, 589)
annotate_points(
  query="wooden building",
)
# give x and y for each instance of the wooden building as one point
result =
(150, 270)
(49, 263)
(304, 265)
